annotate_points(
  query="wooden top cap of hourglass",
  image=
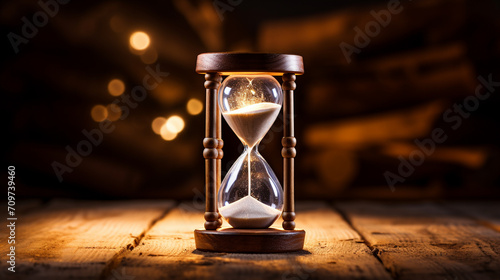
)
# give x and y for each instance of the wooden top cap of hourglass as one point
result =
(227, 63)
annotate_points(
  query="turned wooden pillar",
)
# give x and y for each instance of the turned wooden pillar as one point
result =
(213, 150)
(288, 152)
(220, 154)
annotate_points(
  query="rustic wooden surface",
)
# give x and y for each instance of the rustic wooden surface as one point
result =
(66, 239)
(427, 241)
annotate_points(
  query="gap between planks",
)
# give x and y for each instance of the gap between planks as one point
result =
(418, 240)
(76, 239)
(115, 261)
(332, 249)
(373, 249)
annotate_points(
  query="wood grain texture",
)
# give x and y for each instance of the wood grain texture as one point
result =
(249, 63)
(426, 241)
(78, 240)
(288, 152)
(269, 240)
(332, 250)
(213, 150)
(141, 240)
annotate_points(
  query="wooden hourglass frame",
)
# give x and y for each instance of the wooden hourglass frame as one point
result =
(270, 240)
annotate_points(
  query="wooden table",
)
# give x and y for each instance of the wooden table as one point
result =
(65, 239)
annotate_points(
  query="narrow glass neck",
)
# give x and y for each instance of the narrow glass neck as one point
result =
(247, 148)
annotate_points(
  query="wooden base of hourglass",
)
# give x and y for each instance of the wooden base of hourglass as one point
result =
(230, 240)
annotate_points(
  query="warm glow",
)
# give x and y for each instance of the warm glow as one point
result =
(194, 106)
(114, 112)
(116, 87)
(117, 23)
(139, 40)
(99, 113)
(157, 124)
(175, 124)
(150, 56)
(166, 134)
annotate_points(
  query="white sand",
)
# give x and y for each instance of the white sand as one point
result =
(252, 122)
(248, 212)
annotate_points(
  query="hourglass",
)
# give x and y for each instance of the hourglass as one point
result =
(250, 198)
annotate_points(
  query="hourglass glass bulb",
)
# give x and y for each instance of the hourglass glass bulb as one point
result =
(250, 195)
(250, 104)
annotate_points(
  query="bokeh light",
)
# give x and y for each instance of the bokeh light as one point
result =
(114, 112)
(167, 134)
(116, 87)
(194, 106)
(139, 40)
(99, 113)
(157, 124)
(175, 124)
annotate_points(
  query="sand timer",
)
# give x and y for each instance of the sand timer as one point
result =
(250, 198)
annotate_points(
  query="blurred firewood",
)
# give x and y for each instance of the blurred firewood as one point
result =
(97, 174)
(430, 51)
(356, 133)
(333, 170)
(392, 81)
(105, 175)
(403, 192)
(318, 38)
(169, 38)
(131, 139)
(306, 36)
(439, 67)
(470, 157)
(204, 20)
(449, 171)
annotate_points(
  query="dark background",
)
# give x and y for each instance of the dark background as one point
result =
(354, 120)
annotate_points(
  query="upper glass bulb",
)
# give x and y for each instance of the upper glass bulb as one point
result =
(250, 105)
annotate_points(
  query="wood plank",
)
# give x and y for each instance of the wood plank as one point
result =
(486, 213)
(426, 241)
(78, 239)
(332, 249)
(361, 132)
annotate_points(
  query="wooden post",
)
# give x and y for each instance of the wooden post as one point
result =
(220, 154)
(211, 151)
(288, 152)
